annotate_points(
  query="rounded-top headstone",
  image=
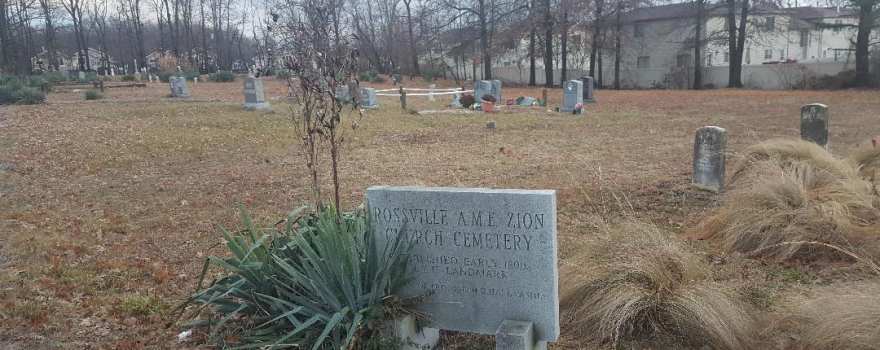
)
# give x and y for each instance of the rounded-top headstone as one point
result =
(814, 123)
(710, 144)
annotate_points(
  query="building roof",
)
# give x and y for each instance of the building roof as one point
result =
(688, 9)
(812, 13)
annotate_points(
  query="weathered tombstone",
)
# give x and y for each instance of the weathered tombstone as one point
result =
(482, 88)
(573, 96)
(588, 89)
(254, 95)
(82, 76)
(178, 87)
(490, 125)
(483, 257)
(343, 94)
(402, 98)
(150, 77)
(814, 123)
(368, 98)
(496, 91)
(431, 92)
(710, 143)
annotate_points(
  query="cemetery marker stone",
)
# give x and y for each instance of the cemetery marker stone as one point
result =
(496, 91)
(254, 95)
(484, 256)
(709, 158)
(178, 87)
(482, 88)
(588, 89)
(573, 95)
(814, 123)
(368, 98)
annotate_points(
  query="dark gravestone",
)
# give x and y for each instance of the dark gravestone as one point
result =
(814, 123)
(709, 157)
(254, 95)
(572, 96)
(588, 89)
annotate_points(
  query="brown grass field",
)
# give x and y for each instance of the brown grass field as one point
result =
(108, 208)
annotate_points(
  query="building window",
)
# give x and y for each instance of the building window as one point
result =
(781, 55)
(709, 59)
(768, 54)
(638, 30)
(683, 60)
(726, 56)
(770, 24)
(837, 24)
(805, 38)
(643, 62)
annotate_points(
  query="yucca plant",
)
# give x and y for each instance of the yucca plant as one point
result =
(318, 283)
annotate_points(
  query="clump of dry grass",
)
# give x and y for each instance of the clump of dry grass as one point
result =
(783, 153)
(635, 282)
(782, 215)
(839, 317)
(867, 161)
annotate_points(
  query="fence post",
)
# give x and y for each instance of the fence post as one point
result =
(402, 98)
(544, 96)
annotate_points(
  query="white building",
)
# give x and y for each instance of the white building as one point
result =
(783, 46)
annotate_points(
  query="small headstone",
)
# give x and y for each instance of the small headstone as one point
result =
(573, 96)
(431, 93)
(482, 88)
(482, 256)
(496, 90)
(178, 87)
(196, 80)
(402, 93)
(368, 98)
(490, 125)
(343, 94)
(254, 95)
(588, 89)
(814, 123)
(82, 75)
(456, 101)
(710, 143)
(150, 77)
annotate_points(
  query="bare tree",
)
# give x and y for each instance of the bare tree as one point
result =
(75, 10)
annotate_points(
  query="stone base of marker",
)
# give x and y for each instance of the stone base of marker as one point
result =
(260, 106)
(517, 335)
(410, 335)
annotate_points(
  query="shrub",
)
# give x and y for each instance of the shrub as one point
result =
(429, 74)
(222, 77)
(54, 77)
(93, 95)
(7, 95)
(634, 281)
(839, 81)
(318, 283)
(867, 161)
(368, 76)
(840, 317)
(129, 77)
(467, 100)
(189, 75)
(282, 74)
(784, 152)
(29, 96)
(792, 212)
(378, 79)
(165, 77)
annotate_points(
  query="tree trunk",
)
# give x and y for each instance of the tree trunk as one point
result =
(533, 36)
(548, 45)
(414, 53)
(866, 22)
(484, 42)
(563, 75)
(5, 45)
(617, 28)
(736, 42)
(597, 33)
(698, 46)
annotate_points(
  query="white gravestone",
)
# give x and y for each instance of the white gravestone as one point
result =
(710, 143)
(483, 256)
(573, 96)
(482, 88)
(254, 95)
(368, 98)
(178, 87)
